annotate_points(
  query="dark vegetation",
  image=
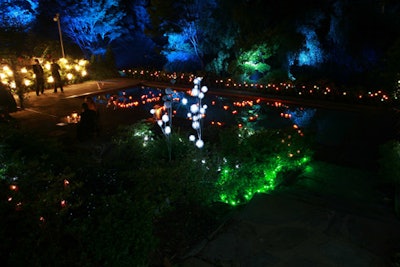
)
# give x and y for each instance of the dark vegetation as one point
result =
(116, 202)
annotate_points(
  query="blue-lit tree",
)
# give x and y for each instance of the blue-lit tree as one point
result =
(16, 19)
(18, 14)
(220, 35)
(93, 25)
(181, 24)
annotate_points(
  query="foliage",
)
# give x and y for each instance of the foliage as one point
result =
(253, 61)
(93, 25)
(51, 209)
(102, 66)
(181, 24)
(18, 14)
(219, 41)
(255, 163)
(68, 209)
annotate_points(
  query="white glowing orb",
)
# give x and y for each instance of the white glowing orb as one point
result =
(152, 111)
(195, 125)
(195, 92)
(189, 115)
(205, 106)
(27, 82)
(160, 123)
(204, 89)
(184, 101)
(165, 118)
(199, 143)
(201, 95)
(194, 108)
(197, 80)
(192, 138)
(167, 130)
(202, 110)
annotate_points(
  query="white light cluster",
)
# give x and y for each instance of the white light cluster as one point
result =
(197, 111)
(163, 115)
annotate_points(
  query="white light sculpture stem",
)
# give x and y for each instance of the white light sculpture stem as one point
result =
(197, 111)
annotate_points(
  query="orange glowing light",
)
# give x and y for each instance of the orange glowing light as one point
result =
(13, 187)
(252, 118)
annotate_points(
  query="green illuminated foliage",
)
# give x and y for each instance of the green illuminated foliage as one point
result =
(254, 60)
(253, 164)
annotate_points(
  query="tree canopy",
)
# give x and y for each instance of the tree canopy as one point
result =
(336, 37)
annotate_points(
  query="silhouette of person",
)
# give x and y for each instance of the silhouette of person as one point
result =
(87, 127)
(55, 72)
(92, 106)
(38, 70)
(91, 103)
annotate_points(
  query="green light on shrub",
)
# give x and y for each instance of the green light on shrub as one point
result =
(255, 60)
(238, 185)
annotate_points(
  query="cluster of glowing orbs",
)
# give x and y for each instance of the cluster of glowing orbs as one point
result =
(164, 121)
(197, 111)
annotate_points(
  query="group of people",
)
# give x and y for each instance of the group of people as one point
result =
(88, 125)
(39, 73)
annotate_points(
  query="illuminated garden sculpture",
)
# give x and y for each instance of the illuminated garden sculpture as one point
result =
(163, 116)
(197, 111)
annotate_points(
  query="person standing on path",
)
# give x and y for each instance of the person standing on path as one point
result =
(55, 72)
(38, 70)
